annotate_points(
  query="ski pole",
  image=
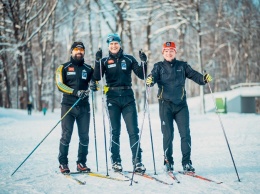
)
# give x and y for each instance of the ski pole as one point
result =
(149, 119)
(94, 125)
(138, 145)
(150, 127)
(46, 135)
(103, 114)
(223, 130)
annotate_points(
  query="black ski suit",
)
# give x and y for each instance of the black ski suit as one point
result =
(120, 99)
(170, 77)
(71, 77)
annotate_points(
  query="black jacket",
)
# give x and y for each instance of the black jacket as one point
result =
(171, 76)
(71, 77)
(118, 69)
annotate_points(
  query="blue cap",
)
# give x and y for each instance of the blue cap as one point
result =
(113, 38)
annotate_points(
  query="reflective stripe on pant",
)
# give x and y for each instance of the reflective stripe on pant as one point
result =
(180, 113)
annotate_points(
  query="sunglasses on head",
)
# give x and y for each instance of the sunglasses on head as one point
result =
(78, 49)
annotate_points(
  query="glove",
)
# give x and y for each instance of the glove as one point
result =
(82, 94)
(99, 55)
(94, 86)
(142, 56)
(207, 78)
(149, 81)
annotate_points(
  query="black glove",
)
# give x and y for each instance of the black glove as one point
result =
(99, 55)
(149, 81)
(82, 94)
(142, 56)
(94, 86)
(207, 78)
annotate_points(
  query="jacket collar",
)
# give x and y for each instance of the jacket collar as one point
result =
(117, 55)
(76, 62)
(170, 63)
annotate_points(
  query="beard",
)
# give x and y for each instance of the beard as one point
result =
(78, 57)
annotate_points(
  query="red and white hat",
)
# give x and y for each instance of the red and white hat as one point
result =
(170, 45)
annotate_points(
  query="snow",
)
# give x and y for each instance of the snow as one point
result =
(21, 133)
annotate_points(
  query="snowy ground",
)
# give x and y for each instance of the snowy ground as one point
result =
(20, 134)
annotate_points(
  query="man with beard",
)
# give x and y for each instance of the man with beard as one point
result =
(118, 67)
(72, 79)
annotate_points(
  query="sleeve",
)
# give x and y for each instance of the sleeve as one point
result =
(91, 74)
(156, 72)
(139, 69)
(59, 81)
(194, 75)
(96, 74)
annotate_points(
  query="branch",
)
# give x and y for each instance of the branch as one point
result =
(32, 18)
(166, 28)
(39, 28)
(104, 17)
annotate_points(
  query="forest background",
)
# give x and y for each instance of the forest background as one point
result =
(219, 36)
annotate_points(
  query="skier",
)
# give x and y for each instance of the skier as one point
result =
(117, 67)
(29, 108)
(170, 76)
(72, 79)
(44, 107)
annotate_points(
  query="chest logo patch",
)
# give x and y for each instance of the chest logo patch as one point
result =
(84, 74)
(71, 69)
(71, 73)
(123, 65)
(112, 65)
(110, 61)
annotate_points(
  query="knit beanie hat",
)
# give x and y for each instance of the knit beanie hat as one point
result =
(78, 45)
(113, 38)
(170, 45)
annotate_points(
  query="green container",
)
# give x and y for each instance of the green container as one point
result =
(221, 105)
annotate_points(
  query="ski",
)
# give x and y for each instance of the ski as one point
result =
(99, 176)
(126, 176)
(74, 179)
(150, 177)
(193, 174)
(172, 175)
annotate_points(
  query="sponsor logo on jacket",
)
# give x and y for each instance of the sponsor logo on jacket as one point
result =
(123, 65)
(111, 65)
(71, 71)
(84, 74)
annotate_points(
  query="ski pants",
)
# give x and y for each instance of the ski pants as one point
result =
(126, 106)
(80, 114)
(180, 113)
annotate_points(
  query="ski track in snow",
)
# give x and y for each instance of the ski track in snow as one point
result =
(20, 134)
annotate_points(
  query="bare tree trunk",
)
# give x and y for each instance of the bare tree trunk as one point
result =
(42, 45)
(119, 19)
(4, 78)
(74, 32)
(53, 48)
(202, 101)
(21, 83)
(182, 42)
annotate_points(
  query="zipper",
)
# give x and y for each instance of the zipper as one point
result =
(119, 72)
(182, 93)
(160, 95)
(77, 77)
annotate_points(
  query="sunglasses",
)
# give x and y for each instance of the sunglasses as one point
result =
(78, 49)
